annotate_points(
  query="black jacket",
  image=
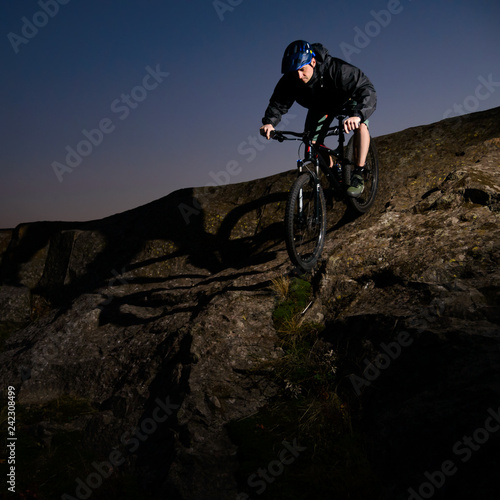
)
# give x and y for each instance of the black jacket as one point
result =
(334, 82)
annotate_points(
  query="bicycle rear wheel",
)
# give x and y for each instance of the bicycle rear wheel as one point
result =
(305, 222)
(365, 201)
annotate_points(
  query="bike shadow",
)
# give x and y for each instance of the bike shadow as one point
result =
(239, 248)
(150, 244)
(156, 244)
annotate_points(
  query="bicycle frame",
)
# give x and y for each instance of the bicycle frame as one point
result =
(313, 154)
(305, 212)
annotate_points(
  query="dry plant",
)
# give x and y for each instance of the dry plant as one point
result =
(281, 287)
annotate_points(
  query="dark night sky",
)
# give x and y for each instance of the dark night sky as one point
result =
(159, 95)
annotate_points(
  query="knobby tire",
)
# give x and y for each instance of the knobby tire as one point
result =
(365, 201)
(305, 229)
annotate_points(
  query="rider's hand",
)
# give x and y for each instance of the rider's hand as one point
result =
(351, 123)
(266, 130)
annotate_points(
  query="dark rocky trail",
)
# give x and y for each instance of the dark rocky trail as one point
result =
(145, 335)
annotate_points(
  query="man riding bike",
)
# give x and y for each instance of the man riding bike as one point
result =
(323, 84)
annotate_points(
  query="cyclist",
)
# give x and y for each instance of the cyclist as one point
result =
(323, 84)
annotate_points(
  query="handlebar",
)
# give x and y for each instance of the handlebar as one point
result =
(280, 135)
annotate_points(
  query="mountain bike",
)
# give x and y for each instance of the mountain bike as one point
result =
(305, 212)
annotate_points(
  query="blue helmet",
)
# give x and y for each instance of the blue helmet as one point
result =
(297, 55)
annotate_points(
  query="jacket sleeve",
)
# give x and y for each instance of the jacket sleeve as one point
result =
(279, 104)
(358, 87)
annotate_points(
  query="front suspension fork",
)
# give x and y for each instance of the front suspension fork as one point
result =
(313, 170)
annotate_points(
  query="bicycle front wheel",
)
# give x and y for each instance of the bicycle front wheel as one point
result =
(305, 222)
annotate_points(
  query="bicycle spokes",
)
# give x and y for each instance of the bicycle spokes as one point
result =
(305, 222)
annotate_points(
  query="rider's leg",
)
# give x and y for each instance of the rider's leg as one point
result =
(328, 158)
(317, 125)
(361, 144)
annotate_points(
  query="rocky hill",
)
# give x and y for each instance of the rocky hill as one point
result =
(170, 352)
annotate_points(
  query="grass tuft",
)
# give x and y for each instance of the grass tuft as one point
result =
(309, 410)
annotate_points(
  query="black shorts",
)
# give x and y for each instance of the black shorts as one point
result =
(318, 124)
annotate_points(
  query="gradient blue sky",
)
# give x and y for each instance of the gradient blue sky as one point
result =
(429, 60)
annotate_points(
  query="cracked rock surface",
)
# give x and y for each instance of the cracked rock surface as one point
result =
(166, 311)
